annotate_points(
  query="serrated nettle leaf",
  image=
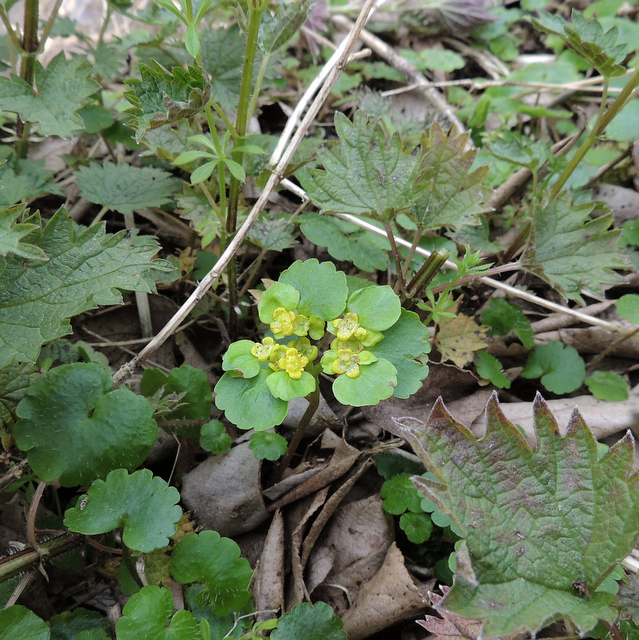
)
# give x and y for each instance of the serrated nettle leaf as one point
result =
(162, 96)
(587, 39)
(144, 506)
(561, 369)
(63, 88)
(13, 234)
(37, 300)
(279, 294)
(312, 622)
(18, 623)
(365, 173)
(503, 316)
(123, 188)
(322, 289)
(268, 446)
(571, 251)
(274, 233)
(278, 28)
(518, 149)
(453, 196)
(216, 562)
(90, 430)
(535, 522)
(607, 385)
(23, 180)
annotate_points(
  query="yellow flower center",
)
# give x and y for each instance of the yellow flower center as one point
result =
(347, 362)
(263, 351)
(283, 322)
(293, 363)
(348, 327)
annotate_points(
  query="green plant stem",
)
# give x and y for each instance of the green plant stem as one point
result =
(518, 242)
(411, 252)
(50, 22)
(105, 24)
(258, 85)
(128, 561)
(427, 272)
(31, 515)
(396, 256)
(313, 399)
(13, 36)
(603, 120)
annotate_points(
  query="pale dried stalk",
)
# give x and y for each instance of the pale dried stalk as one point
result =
(129, 368)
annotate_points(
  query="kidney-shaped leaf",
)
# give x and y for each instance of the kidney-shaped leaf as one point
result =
(311, 622)
(216, 562)
(18, 623)
(74, 427)
(141, 504)
(542, 527)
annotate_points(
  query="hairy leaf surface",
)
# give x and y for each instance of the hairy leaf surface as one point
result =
(536, 523)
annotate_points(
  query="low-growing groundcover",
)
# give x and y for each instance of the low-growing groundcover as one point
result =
(365, 286)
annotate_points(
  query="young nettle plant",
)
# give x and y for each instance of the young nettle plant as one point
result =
(371, 347)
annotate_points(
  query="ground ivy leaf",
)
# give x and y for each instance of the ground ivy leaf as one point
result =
(278, 28)
(61, 90)
(123, 188)
(144, 506)
(569, 250)
(459, 337)
(400, 494)
(416, 526)
(375, 382)
(561, 369)
(311, 622)
(162, 96)
(216, 562)
(213, 437)
(248, 402)
(75, 427)
(489, 368)
(503, 316)
(70, 624)
(535, 522)
(268, 446)
(149, 614)
(607, 385)
(365, 173)
(38, 298)
(18, 623)
(454, 196)
(406, 346)
(345, 241)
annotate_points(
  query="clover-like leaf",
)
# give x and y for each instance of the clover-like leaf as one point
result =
(37, 300)
(375, 382)
(123, 188)
(535, 522)
(454, 196)
(561, 369)
(162, 96)
(213, 437)
(216, 562)
(569, 250)
(365, 173)
(416, 526)
(406, 346)
(75, 427)
(144, 506)
(268, 446)
(18, 623)
(62, 89)
(587, 39)
(378, 308)
(311, 622)
(503, 316)
(149, 614)
(12, 235)
(400, 494)
(248, 402)
(322, 288)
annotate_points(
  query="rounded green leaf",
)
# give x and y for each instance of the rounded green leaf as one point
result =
(216, 562)
(322, 288)
(18, 623)
(400, 494)
(213, 437)
(606, 385)
(142, 505)
(72, 625)
(562, 370)
(406, 345)
(248, 402)
(416, 526)
(377, 308)
(75, 428)
(276, 296)
(238, 358)
(375, 382)
(628, 307)
(311, 622)
(149, 614)
(284, 387)
(268, 446)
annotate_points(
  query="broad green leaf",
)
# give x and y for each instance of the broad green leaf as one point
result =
(123, 188)
(321, 287)
(345, 241)
(62, 89)
(213, 437)
(12, 235)
(311, 622)
(416, 526)
(609, 386)
(15, 380)
(275, 233)
(519, 149)
(248, 402)
(378, 308)
(376, 381)
(23, 180)
(587, 39)
(144, 506)
(406, 345)
(628, 307)
(216, 562)
(365, 173)
(277, 28)
(37, 300)
(503, 316)
(454, 196)
(282, 386)
(162, 96)
(434, 59)
(571, 251)
(149, 614)
(400, 494)
(279, 294)
(75, 427)
(489, 368)
(535, 522)
(222, 57)
(70, 624)
(238, 358)
(561, 369)
(268, 446)
(96, 118)
(18, 623)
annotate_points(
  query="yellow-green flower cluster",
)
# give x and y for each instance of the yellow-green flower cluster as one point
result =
(292, 358)
(287, 323)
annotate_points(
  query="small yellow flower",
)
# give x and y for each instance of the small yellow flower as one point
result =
(293, 363)
(347, 362)
(348, 326)
(283, 322)
(263, 351)
(305, 348)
